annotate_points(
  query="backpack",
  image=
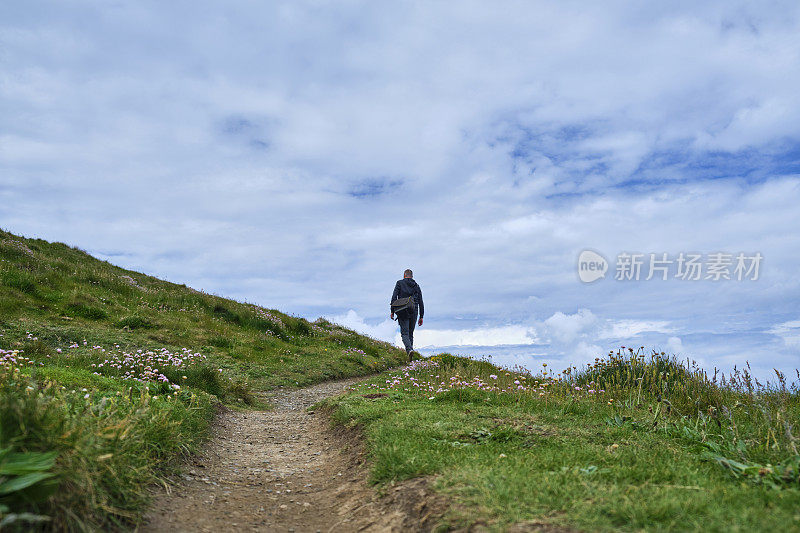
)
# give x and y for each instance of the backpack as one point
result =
(404, 304)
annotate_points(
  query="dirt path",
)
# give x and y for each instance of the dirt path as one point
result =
(283, 470)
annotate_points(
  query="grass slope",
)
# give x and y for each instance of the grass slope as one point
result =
(108, 375)
(629, 443)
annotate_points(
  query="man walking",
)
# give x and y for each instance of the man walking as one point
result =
(403, 289)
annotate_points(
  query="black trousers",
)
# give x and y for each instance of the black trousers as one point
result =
(407, 322)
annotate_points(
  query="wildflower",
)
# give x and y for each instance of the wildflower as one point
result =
(493, 376)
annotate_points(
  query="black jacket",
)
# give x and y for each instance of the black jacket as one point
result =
(408, 287)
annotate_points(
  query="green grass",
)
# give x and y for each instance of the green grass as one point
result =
(66, 320)
(641, 455)
(110, 442)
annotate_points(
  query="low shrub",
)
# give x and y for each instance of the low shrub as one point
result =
(83, 310)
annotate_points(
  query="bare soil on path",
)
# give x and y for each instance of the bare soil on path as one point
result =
(286, 470)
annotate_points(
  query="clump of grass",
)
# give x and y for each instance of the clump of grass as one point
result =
(20, 280)
(84, 310)
(220, 342)
(135, 322)
(33, 347)
(241, 391)
(14, 248)
(107, 445)
(202, 377)
(9, 307)
(226, 314)
(298, 326)
(685, 386)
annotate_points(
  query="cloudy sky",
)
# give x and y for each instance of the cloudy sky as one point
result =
(300, 155)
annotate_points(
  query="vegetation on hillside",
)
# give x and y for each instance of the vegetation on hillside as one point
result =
(634, 441)
(107, 376)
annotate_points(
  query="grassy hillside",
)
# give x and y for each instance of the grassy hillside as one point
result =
(633, 442)
(107, 375)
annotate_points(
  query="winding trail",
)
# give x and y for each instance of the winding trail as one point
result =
(284, 470)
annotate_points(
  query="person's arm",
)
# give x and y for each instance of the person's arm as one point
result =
(421, 305)
(395, 294)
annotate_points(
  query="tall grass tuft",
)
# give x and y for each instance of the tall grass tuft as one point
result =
(95, 453)
(685, 386)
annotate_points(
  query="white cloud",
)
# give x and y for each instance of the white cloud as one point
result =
(565, 328)
(675, 345)
(630, 328)
(488, 336)
(789, 332)
(388, 330)
(384, 331)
